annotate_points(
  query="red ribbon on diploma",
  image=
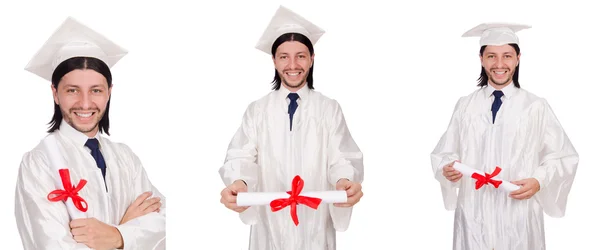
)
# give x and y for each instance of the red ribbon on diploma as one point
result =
(487, 179)
(70, 191)
(294, 199)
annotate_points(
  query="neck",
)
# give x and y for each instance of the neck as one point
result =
(293, 89)
(499, 87)
(92, 133)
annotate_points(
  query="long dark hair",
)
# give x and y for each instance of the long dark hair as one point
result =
(80, 63)
(288, 37)
(483, 77)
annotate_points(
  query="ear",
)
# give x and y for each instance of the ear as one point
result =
(312, 59)
(54, 93)
(518, 59)
(109, 91)
(481, 60)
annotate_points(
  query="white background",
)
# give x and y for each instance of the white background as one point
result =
(397, 69)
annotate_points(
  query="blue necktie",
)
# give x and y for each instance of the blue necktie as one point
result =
(94, 146)
(496, 105)
(292, 107)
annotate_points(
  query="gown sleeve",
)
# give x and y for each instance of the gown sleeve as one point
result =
(240, 162)
(447, 151)
(147, 231)
(345, 161)
(558, 164)
(42, 224)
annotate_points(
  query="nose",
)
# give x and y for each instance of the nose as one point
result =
(294, 63)
(85, 100)
(499, 62)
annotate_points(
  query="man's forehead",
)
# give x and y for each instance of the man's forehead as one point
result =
(499, 49)
(83, 79)
(292, 47)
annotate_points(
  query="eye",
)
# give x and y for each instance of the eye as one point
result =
(490, 56)
(302, 56)
(507, 56)
(283, 57)
(97, 91)
(71, 90)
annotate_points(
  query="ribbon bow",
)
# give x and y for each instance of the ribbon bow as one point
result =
(294, 199)
(70, 191)
(487, 179)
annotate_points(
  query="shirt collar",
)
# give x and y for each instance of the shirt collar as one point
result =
(508, 91)
(302, 92)
(79, 138)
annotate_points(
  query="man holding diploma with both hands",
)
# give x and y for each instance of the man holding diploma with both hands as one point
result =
(506, 152)
(293, 139)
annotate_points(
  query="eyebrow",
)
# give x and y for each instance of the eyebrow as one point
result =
(75, 86)
(494, 53)
(301, 52)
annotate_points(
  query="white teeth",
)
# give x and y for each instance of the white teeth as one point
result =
(500, 72)
(293, 74)
(86, 115)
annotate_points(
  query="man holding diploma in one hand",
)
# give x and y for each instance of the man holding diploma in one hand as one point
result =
(501, 125)
(293, 131)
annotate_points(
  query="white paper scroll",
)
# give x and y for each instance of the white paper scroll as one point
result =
(56, 163)
(468, 172)
(257, 199)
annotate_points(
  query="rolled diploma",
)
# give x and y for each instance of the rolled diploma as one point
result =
(56, 163)
(468, 171)
(256, 199)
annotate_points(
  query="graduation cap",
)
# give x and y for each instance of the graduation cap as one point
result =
(73, 39)
(286, 21)
(496, 33)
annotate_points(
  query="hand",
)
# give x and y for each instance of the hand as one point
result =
(96, 234)
(450, 173)
(141, 206)
(353, 191)
(229, 195)
(528, 188)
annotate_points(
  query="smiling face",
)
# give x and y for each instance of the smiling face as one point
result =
(499, 63)
(82, 96)
(292, 61)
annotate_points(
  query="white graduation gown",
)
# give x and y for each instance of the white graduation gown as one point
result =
(267, 155)
(526, 141)
(43, 224)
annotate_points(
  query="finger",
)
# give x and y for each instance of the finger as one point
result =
(525, 195)
(239, 187)
(453, 174)
(138, 201)
(353, 190)
(230, 199)
(520, 191)
(449, 168)
(343, 205)
(355, 198)
(226, 191)
(149, 202)
(153, 207)
(80, 238)
(231, 205)
(455, 178)
(240, 209)
(78, 223)
(80, 231)
(519, 182)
